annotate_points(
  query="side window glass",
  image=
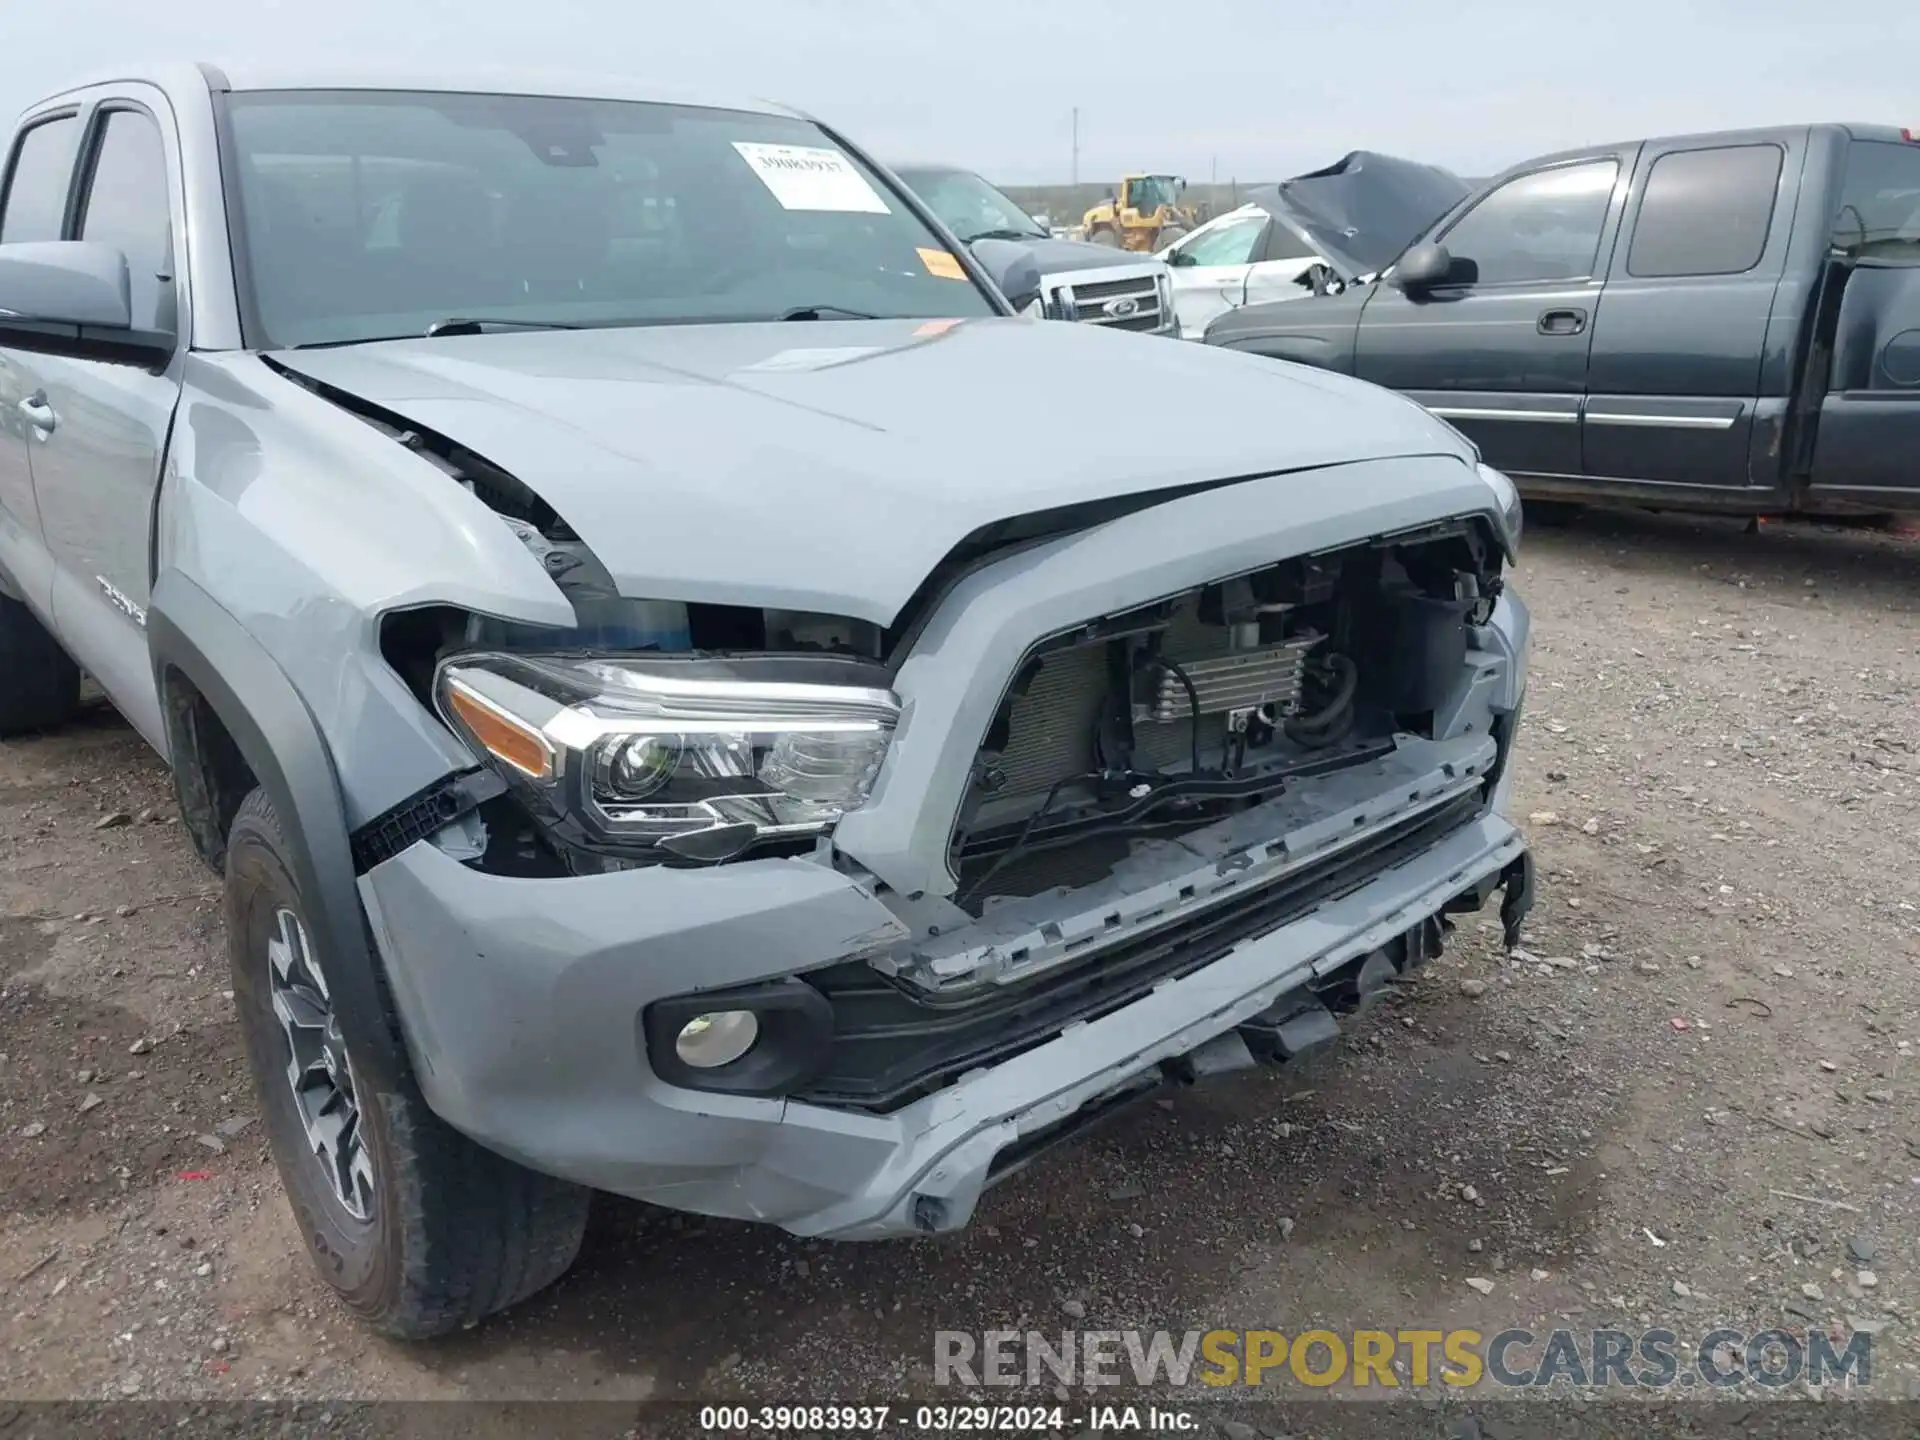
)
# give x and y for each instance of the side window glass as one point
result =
(1706, 212)
(1229, 245)
(1543, 226)
(127, 207)
(1879, 215)
(36, 198)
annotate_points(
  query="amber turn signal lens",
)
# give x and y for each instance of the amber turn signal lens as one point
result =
(506, 738)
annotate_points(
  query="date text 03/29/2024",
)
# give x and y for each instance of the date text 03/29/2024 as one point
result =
(943, 1419)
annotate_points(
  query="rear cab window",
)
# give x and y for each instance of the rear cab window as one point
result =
(1705, 212)
(1879, 211)
(34, 205)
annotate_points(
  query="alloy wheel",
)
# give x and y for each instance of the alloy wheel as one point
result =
(318, 1070)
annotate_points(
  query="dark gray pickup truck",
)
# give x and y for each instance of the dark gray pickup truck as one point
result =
(1712, 322)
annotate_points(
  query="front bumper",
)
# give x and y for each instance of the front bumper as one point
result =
(521, 1002)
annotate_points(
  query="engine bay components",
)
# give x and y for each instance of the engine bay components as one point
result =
(1168, 717)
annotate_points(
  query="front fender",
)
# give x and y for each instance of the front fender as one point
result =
(1322, 331)
(192, 639)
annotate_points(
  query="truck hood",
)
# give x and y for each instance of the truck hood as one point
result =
(1364, 209)
(1054, 256)
(830, 466)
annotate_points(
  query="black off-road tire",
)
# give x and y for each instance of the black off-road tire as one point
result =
(39, 683)
(453, 1232)
(1105, 235)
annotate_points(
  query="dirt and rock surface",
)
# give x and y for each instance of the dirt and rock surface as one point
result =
(1689, 1100)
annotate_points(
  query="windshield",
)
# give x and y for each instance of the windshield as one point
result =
(970, 207)
(1150, 192)
(375, 214)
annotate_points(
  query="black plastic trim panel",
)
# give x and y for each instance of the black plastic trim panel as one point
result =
(893, 1045)
(421, 815)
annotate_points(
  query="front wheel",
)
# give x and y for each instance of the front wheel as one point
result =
(1104, 235)
(419, 1230)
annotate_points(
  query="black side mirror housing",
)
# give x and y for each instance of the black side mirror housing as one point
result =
(1422, 268)
(1012, 268)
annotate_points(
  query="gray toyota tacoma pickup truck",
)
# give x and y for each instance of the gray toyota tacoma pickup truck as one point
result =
(690, 695)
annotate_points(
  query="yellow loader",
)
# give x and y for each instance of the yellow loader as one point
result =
(1145, 215)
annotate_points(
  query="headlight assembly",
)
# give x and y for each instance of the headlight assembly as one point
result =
(659, 757)
(1507, 501)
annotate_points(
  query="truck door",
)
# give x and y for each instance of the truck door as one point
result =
(96, 471)
(1674, 376)
(33, 202)
(1500, 350)
(1866, 447)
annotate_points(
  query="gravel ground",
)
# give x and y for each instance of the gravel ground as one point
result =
(1688, 1100)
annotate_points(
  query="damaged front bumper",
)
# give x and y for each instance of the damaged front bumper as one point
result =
(523, 1003)
(533, 1007)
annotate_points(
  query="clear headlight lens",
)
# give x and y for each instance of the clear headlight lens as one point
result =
(686, 757)
(1507, 499)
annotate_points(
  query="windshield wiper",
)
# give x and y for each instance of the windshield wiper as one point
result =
(824, 312)
(1005, 234)
(463, 326)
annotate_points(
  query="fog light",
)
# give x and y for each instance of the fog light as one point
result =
(707, 1042)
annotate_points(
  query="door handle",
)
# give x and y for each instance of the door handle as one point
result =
(38, 412)
(1562, 322)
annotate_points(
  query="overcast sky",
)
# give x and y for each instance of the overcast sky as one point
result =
(1254, 89)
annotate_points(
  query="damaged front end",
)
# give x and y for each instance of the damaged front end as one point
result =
(1162, 785)
(945, 892)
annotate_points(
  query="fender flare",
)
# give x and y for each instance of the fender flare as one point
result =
(191, 633)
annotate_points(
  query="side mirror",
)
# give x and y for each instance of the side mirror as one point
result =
(1177, 257)
(73, 297)
(1011, 266)
(1422, 268)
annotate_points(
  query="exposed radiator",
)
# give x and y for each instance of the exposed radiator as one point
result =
(1050, 733)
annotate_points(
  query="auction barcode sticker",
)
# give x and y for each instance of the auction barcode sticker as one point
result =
(811, 177)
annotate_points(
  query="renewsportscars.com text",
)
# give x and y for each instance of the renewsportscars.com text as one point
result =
(1391, 1359)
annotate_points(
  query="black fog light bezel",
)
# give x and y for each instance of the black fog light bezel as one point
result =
(794, 1042)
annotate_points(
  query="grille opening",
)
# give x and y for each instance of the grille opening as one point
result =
(1130, 303)
(1172, 716)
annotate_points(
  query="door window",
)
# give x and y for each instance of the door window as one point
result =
(1879, 215)
(1538, 227)
(1706, 212)
(36, 198)
(1231, 244)
(126, 207)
